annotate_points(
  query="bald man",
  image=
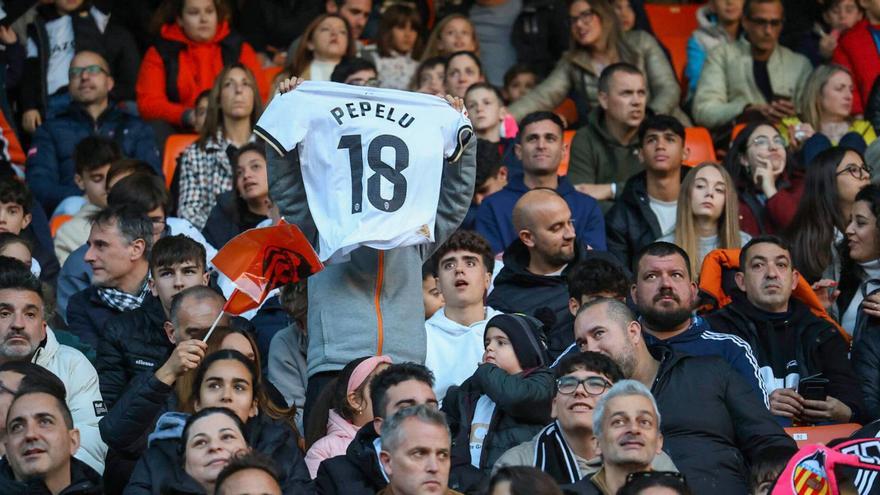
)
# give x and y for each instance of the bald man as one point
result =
(537, 262)
(541, 148)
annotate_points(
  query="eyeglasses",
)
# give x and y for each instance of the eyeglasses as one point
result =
(647, 475)
(91, 70)
(765, 23)
(856, 171)
(585, 16)
(764, 142)
(372, 82)
(593, 385)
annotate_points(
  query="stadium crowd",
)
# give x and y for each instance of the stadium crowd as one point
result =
(653, 261)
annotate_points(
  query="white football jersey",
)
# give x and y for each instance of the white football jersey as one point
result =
(371, 158)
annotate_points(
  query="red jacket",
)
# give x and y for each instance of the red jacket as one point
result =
(776, 213)
(857, 52)
(199, 64)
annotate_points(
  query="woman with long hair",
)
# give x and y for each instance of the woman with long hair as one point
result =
(204, 167)
(707, 215)
(831, 183)
(454, 33)
(860, 261)
(463, 69)
(398, 46)
(324, 43)
(596, 43)
(768, 181)
(210, 439)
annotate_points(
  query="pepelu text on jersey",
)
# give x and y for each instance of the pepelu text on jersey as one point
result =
(366, 109)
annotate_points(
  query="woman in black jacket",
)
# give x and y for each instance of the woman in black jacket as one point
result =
(245, 206)
(225, 379)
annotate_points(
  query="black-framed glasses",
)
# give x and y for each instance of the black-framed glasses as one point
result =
(856, 171)
(586, 16)
(91, 70)
(648, 475)
(765, 23)
(593, 385)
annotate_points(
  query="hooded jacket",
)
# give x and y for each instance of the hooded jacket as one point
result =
(713, 424)
(451, 342)
(83, 395)
(199, 63)
(365, 305)
(83, 481)
(819, 348)
(704, 39)
(339, 435)
(229, 217)
(495, 215)
(597, 157)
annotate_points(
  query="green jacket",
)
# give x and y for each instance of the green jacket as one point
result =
(597, 157)
(575, 71)
(727, 83)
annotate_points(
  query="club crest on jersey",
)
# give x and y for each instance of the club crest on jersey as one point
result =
(354, 110)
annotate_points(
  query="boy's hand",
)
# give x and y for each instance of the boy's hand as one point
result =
(289, 84)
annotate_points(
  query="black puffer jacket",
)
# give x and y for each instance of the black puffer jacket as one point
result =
(228, 218)
(713, 423)
(522, 409)
(866, 365)
(131, 343)
(821, 348)
(83, 481)
(631, 224)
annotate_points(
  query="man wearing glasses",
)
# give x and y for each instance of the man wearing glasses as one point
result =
(566, 448)
(753, 75)
(50, 166)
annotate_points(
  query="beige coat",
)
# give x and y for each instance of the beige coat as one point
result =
(74, 233)
(727, 83)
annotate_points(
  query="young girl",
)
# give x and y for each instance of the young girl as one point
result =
(398, 40)
(455, 33)
(507, 400)
(707, 216)
(15, 246)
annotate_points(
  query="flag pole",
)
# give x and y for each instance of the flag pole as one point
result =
(213, 326)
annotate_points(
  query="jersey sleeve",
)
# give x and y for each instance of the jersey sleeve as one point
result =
(457, 133)
(284, 122)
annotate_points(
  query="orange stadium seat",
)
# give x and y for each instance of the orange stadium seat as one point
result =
(808, 435)
(174, 146)
(56, 222)
(567, 136)
(736, 130)
(698, 141)
(673, 25)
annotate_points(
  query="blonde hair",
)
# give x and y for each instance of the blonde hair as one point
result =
(810, 102)
(611, 33)
(686, 235)
(432, 47)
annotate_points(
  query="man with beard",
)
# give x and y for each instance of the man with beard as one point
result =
(665, 296)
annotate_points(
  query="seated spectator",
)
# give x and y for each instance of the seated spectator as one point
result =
(455, 333)
(491, 177)
(738, 428)
(21, 375)
(536, 265)
(831, 183)
(766, 471)
(431, 295)
(485, 107)
(860, 262)
(518, 81)
(646, 208)
(356, 13)
(286, 363)
(211, 439)
(855, 52)
(92, 158)
(454, 33)
(325, 42)
(249, 473)
(27, 338)
(201, 111)
(15, 213)
(463, 69)
(342, 409)
(665, 297)
(789, 342)
(39, 415)
(50, 164)
(627, 427)
(597, 41)
(540, 147)
(769, 183)
(429, 76)
(360, 471)
(420, 429)
(355, 71)
(604, 153)
(399, 38)
(118, 245)
(204, 167)
(59, 30)
(137, 340)
(19, 248)
(187, 57)
(753, 75)
(707, 215)
(522, 480)
(718, 23)
(837, 16)
(247, 205)
(226, 379)
(825, 107)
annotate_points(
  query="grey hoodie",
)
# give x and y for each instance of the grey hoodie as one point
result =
(371, 304)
